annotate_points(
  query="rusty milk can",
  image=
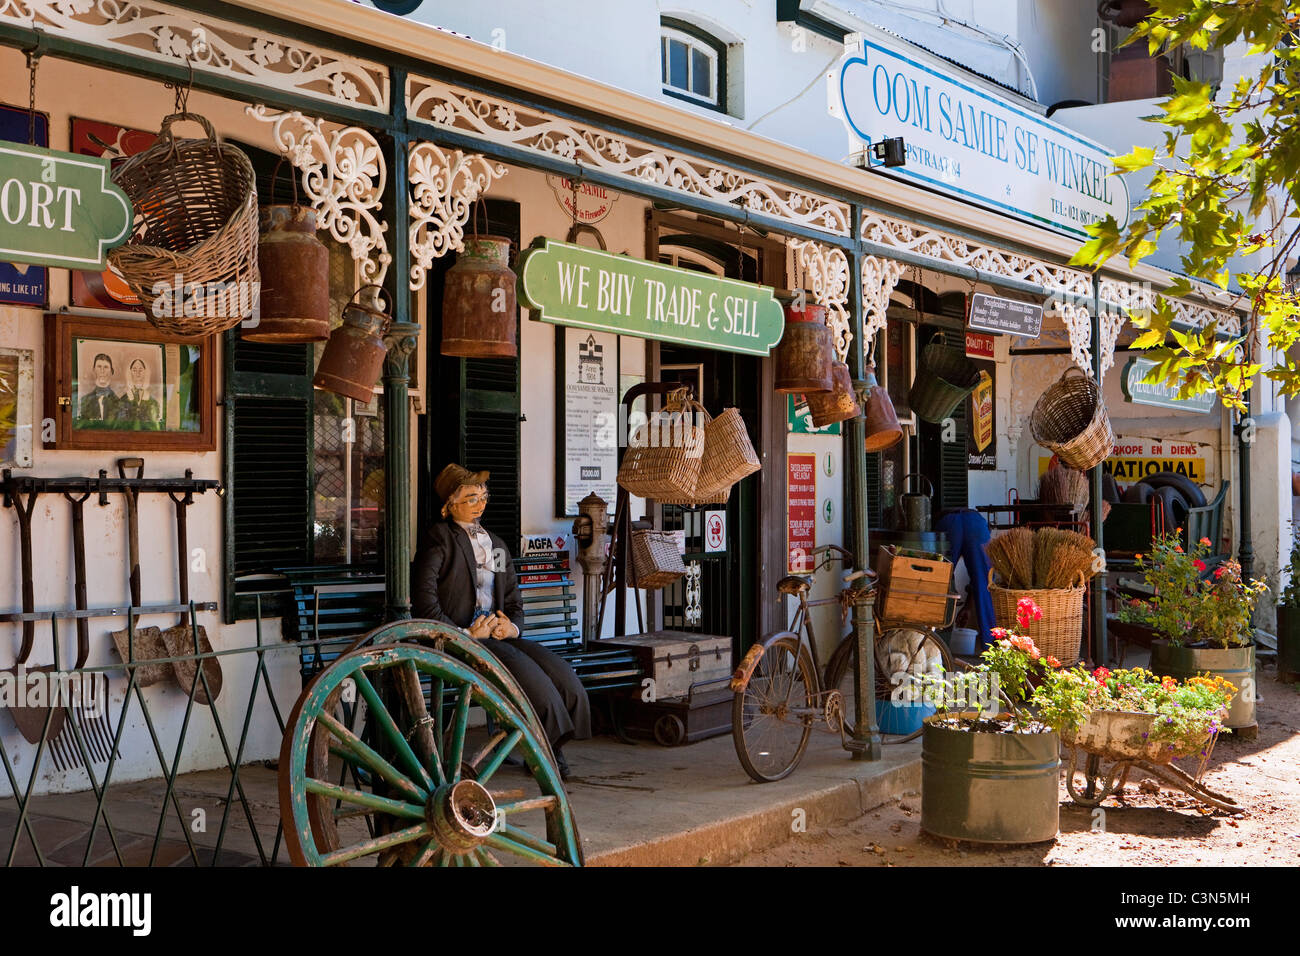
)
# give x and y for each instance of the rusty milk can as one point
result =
(354, 355)
(839, 404)
(804, 354)
(478, 301)
(295, 297)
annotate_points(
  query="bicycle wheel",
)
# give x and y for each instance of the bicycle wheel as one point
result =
(773, 714)
(906, 650)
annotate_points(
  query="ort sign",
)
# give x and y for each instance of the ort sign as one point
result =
(566, 284)
(58, 209)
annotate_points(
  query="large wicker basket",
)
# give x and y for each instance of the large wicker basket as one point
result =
(195, 224)
(729, 456)
(944, 377)
(664, 456)
(1059, 633)
(1070, 420)
(656, 562)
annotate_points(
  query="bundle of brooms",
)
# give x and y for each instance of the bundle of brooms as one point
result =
(1050, 566)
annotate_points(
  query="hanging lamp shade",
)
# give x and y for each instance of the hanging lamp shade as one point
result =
(478, 301)
(883, 429)
(354, 355)
(804, 355)
(295, 268)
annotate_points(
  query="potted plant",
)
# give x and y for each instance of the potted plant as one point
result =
(1202, 621)
(990, 774)
(1288, 621)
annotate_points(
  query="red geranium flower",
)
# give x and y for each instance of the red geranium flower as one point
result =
(1198, 564)
(1101, 673)
(1205, 541)
(1052, 661)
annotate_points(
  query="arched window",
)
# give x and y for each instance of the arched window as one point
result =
(693, 64)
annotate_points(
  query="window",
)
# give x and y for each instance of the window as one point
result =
(692, 64)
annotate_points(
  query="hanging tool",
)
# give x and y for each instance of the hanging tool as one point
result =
(183, 638)
(147, 643)
(31, 721)
(96, 731)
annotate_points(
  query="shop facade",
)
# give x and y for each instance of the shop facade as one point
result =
(395, 139)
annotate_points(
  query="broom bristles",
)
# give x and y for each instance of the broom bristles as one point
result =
(1016, 565)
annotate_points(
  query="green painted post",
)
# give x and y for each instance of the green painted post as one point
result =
(1099, 633)
(865, 744)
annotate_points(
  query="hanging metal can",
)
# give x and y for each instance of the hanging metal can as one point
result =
(804, 354)
(295, 268)
(837, 405)
(354, 355)
(478, 301)
(883, 430)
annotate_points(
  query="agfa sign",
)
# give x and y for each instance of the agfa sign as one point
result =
(59, 209)
(971, 144)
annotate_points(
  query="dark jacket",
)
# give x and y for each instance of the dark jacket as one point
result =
(443, 578)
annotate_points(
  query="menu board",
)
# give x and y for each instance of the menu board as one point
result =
(588, 432)
(801, 511)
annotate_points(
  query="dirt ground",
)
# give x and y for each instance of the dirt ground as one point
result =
(1163, 828)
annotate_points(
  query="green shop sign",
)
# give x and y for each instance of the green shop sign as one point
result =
(1161, 396)
(575, 285)
(58, 209)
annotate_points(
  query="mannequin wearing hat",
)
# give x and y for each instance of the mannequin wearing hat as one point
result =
(462, 575)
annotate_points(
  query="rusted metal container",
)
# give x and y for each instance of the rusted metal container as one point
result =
(1234, 664)
(883, 430)
(295, 268)
(989, 788)
(804, 355)
(478, 301)
(354, 355)
(839, 404)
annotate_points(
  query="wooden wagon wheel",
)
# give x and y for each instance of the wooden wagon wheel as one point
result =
(1100, 784)
(426, 808)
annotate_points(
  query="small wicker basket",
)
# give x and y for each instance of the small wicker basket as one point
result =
(1060, 633)
(664, 456)
(656, 562)
(729, 456)
(1070, 420)
(196, 223)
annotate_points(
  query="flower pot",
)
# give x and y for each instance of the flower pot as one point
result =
(1288, 644)
(1119, 735)
(1235, 664)
(989, 787)
(902, 716)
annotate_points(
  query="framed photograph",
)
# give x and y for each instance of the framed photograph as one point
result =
(20, 283)
(15, 408)
(105, 290)
(586, 434)
(121, 384)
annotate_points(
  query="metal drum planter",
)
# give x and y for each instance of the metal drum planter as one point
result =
(354, 355)
(1234, 664)
(478, 301)
(804, 354)
(988, 787)
(295, 267)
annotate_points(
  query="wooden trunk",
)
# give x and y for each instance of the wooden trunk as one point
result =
(677, 660)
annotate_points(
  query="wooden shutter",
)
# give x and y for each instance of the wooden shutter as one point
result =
(474, 406)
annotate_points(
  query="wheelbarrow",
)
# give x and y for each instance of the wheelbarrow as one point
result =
(1125, 740)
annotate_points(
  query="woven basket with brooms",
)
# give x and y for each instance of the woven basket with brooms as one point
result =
(1051, 566)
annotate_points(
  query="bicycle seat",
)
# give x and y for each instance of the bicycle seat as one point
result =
(794, 584)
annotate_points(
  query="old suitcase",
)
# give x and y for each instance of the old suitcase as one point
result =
(675, 660)
(704, 712)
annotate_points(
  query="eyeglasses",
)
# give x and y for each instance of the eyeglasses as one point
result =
(474, 499)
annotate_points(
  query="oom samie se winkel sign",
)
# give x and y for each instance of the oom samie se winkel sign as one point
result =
(566, 284)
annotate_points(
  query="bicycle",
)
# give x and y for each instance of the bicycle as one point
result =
(781, 690)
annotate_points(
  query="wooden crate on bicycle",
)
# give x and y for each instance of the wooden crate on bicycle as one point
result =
(914, 587)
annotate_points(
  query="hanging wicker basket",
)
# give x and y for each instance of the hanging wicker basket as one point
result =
(195, 204)
(656, 562)
(944, 377)
(664, 456)
(729, 456)
(1070, 420)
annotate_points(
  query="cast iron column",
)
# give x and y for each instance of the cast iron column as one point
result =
(1098, 615)
(865, 744)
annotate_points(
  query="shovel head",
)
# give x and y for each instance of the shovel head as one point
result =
(148, 644)
(180, 641)
(31, 720)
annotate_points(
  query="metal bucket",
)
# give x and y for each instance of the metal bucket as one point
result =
(804, 355)
(990, 788)
(883, 430)
(916, 507)
(1234, 664)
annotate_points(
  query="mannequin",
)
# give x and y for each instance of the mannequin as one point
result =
(462, 575)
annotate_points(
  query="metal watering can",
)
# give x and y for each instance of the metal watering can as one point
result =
(916, 507)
